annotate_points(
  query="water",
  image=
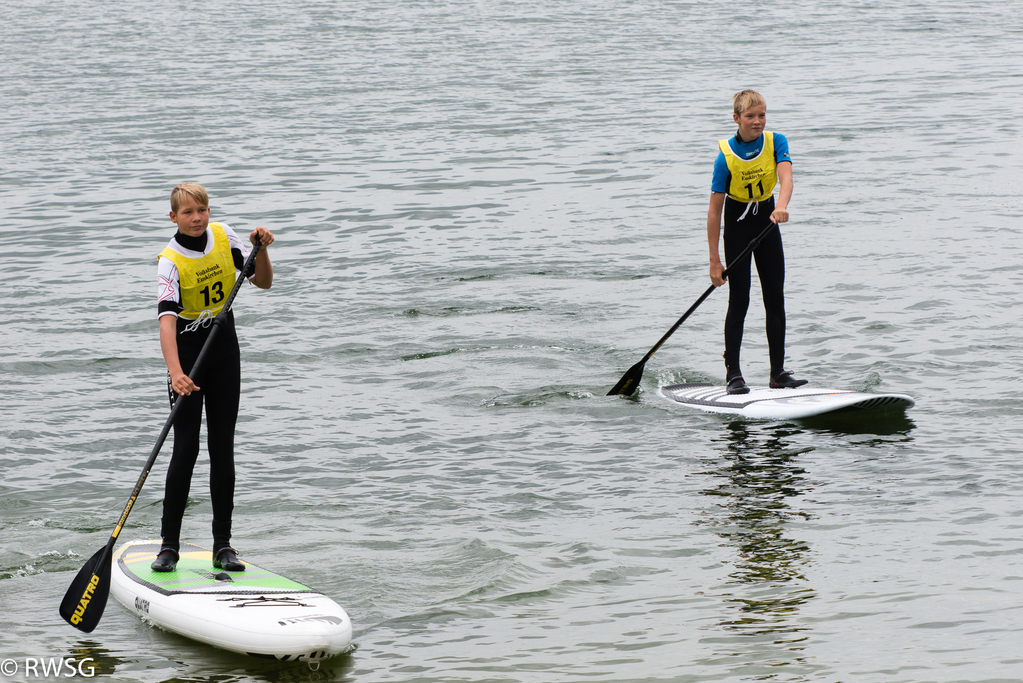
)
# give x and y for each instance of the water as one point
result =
(486, 212)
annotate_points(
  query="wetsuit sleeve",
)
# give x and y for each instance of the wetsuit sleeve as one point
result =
(239, 263)
(781, 149)
(168, 290)
(722, 177)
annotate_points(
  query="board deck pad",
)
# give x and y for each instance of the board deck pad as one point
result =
(195, 573)
(255, 612)
(767, 403)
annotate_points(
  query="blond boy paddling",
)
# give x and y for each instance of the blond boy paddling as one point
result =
(196, 275)
(748, 167)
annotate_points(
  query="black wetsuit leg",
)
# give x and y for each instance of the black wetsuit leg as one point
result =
(220, 382)
(770, 259)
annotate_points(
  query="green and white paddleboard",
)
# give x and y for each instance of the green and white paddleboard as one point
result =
(255, 612)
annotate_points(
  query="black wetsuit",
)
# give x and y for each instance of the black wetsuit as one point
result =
(220, 382)
(770, 260)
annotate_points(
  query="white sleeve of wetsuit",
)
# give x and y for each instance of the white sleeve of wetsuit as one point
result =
(168, 289)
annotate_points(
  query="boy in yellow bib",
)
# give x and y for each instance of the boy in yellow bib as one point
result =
(747, 169)
(196, 275)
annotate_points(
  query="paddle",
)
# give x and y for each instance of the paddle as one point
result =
(630, 380)
(83, 604)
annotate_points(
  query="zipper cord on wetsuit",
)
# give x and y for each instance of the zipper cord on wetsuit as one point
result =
(754, 203)
(204, 320)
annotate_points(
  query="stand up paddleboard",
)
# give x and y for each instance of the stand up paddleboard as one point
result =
(781, 404)
(255, 612)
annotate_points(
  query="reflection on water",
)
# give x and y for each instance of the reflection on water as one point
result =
(758, 477)
(878, 422)
(95, 660)
(335, 670)
(756, 481)
(248, 669)
(98, 662)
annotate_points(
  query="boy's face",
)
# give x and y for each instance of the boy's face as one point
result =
(751, 122)
(191, 217)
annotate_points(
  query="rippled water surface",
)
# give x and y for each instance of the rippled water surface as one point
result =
(486, 212)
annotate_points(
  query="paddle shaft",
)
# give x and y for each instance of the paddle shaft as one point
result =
(93, 598)
(628, 382)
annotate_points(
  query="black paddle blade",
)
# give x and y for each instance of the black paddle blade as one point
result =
(85, 599)
(629, 382)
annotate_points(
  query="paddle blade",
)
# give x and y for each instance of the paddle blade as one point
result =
(629, 382)
(85, 599)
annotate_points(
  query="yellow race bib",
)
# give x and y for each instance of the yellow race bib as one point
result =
(752, 180)
(205, 282)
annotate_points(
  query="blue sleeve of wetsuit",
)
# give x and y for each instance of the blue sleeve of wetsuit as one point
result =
(720, 181)
(781, 149)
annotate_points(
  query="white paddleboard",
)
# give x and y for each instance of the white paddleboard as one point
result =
(781, 404)
(255, 612)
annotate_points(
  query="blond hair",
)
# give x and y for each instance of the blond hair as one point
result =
(193, 190)
(743, 100)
